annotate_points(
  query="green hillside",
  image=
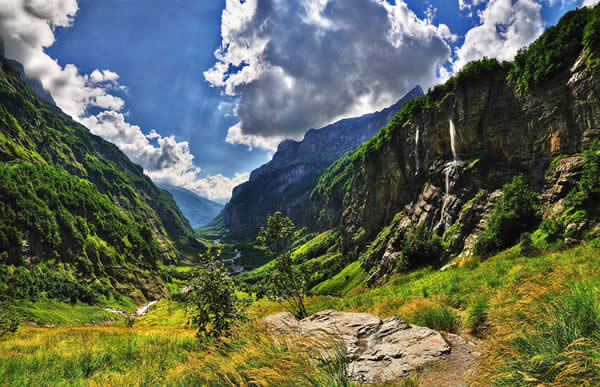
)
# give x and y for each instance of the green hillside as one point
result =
(74, 203)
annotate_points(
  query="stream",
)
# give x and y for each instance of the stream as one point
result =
(142, 310)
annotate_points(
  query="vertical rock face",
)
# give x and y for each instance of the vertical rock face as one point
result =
(285, 183)
(499, 134)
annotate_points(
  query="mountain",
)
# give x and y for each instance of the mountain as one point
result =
(285, 182)
(198, 210)
(74, 208)
(448, 164)
(34, 84)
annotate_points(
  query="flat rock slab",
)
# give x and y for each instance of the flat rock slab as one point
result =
(380, 350)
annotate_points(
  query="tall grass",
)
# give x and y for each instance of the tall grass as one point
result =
(557, 341)
(255, 357)
(166, 356)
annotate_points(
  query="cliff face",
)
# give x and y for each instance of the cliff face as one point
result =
(285, 183)
(443, 168)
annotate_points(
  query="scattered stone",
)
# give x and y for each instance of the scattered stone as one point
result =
(380, 350)
(449, 266)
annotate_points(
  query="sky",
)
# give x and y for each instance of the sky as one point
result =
(199, 93)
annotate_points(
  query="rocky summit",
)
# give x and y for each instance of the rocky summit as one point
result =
(380, 350)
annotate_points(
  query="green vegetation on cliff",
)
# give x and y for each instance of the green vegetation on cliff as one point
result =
(555, 49)
(78, 219)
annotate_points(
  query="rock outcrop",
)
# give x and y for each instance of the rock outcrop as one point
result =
(379, 350)
(285, 183)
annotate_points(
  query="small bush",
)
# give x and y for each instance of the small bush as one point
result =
(526, 247)
(211, 301)
(8, 322)
(515, 212)
(420, 248)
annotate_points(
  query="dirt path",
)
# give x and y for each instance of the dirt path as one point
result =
(457, 367)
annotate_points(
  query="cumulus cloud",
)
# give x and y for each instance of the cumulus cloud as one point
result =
(304, 63)
(505, 26)
(27, 27)
(467, 5)
(590, 3)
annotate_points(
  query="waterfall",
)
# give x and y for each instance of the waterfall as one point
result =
(453, 139)
(417, 135)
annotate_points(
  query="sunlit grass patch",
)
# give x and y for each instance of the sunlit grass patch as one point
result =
(351, 277)
(163, 356)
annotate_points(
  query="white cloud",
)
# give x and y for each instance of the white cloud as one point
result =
(505, 26)
(236, 136)
(304, 63)
(590, 3)
(27, 27)
(466, 4)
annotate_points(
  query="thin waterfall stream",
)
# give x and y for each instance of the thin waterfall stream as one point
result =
(448, 170)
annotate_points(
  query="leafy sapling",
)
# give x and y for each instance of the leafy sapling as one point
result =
(211, 302)
(275, 240)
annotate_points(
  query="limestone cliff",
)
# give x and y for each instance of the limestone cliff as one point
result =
(442, 162)
(285, 183)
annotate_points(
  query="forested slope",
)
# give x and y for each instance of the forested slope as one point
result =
(76, 203)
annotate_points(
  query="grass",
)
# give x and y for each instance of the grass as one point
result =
(164, 314)
(97, 356)
(541, 314)
(350, 278)
(539, 317)
(93, 355)
(55, 313)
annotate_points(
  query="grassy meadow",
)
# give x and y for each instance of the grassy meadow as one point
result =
(538, 318)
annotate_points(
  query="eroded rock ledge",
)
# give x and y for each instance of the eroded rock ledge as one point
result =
(380, 350)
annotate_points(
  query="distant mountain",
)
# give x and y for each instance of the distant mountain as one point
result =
(198, 210)
(285, 183)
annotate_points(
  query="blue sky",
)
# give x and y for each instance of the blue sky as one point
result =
(160, 53)
(143, 74)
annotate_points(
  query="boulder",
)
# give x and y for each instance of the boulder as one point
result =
(379, 350)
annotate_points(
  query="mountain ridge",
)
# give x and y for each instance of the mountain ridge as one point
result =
(285, 183)
(197, 209)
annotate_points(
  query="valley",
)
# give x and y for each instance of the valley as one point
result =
(452, 238)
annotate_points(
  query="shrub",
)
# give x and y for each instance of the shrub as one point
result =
(420, 247)
(8, 322)
(515, 212)
(211, 302)
(526, 247)
(479, 69)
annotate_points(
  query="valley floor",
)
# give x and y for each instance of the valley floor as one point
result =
(535, 320)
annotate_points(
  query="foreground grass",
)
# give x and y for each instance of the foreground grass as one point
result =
(539, 317)
(160, 356)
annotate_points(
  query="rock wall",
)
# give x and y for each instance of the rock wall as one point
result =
(421, 177)
(285, 183)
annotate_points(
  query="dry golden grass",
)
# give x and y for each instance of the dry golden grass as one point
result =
(118, 356)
